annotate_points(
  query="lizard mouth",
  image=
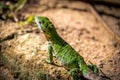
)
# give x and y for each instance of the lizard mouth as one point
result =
(39, 24)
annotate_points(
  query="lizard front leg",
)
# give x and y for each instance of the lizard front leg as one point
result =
(50, 52)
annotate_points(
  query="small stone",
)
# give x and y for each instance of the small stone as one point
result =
(101, 65)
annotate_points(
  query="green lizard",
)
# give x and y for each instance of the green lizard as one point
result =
(68, 57)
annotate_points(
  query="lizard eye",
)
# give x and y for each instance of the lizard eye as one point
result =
(40, 23)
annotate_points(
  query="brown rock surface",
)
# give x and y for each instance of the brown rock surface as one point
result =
(78, 26)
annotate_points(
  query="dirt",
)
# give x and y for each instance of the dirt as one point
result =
(76, 24)
(111, 15)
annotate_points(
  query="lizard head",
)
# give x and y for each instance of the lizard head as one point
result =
(42, 23)
(45, 25)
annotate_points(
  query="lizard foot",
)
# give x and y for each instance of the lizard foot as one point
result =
(75, 73)
(48, 61)
(94, 68)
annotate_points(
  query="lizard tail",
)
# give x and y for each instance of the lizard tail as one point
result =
(92, 76)
(87, 72)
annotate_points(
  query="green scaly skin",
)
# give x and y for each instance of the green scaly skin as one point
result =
(68, 57)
